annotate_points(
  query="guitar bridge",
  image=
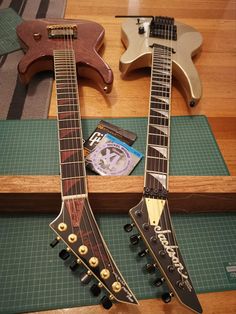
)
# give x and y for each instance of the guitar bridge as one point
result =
(58, 31)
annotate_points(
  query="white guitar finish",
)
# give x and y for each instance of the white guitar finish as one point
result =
(139, 54)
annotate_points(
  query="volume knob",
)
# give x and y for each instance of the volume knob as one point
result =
(141, 30)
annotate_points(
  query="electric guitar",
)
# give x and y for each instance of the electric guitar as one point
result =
(167, 48)
(70, 48)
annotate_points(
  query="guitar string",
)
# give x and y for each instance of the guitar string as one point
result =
(76, 138)
(167, 212)
(79, 159)
(88, 213)
(64, 57)
(67, 56)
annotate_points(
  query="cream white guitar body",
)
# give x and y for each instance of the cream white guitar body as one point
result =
(139, 53)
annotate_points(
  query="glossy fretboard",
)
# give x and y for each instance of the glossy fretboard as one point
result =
(69, 125)
(157, 154)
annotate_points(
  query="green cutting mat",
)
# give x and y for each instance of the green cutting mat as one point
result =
(33, 278)
(30, 146)
(9, 19)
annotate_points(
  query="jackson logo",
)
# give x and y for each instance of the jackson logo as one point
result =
(170, 250)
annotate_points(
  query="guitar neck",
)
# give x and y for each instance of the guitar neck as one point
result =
(158, 130)
(72, 166)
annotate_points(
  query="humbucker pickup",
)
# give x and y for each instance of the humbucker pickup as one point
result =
(62, 31)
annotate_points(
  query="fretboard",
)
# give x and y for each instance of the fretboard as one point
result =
(158, 131)
(72, 166)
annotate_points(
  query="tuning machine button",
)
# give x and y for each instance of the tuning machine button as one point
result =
(74, 265)
(143, 253)
(85, 277)
(95, 290)
(150, 268)
(64, 254)
(134, 239)
(128, 227)
(106, 302)
(55, 242)
(159, 281)
(167, 296)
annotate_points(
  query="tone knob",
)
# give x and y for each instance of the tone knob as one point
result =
(106, 302)
(64, 254)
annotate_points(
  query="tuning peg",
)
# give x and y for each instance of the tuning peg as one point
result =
(167, 296)
(95, 290)
(159, 281)
(143, 253)
(55, 242)
(64, 254)
(150, 268)
(85, 277)
(74, 265)
(134, 239)
(106, 302)
(128, 227)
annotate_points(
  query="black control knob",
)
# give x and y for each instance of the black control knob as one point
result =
(64, 254)
(54, 242)
(85, 278)
(128, 227)
(134, 239)
(74, 265)
(95, 290)
(143, 253)
(106, 302)
(166, 297)
(159, 281)
(141, 30)
(150, 268)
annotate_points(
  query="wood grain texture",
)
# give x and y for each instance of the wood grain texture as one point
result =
(118, 194)
(212, 303)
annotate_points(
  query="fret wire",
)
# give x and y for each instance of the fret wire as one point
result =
(72, 178)
(72, 162)
(67, 97)
(160, 92)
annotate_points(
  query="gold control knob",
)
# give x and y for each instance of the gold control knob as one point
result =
(116, 286)
(93, 261)
(83, 249)
(105, 273)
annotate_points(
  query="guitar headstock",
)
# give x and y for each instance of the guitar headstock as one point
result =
(77, 228)
(152, 219)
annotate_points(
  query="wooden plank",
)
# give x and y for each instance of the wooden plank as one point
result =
(118, 194)
(212, 303)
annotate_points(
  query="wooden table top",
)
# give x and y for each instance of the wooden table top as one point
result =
(216, 64)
